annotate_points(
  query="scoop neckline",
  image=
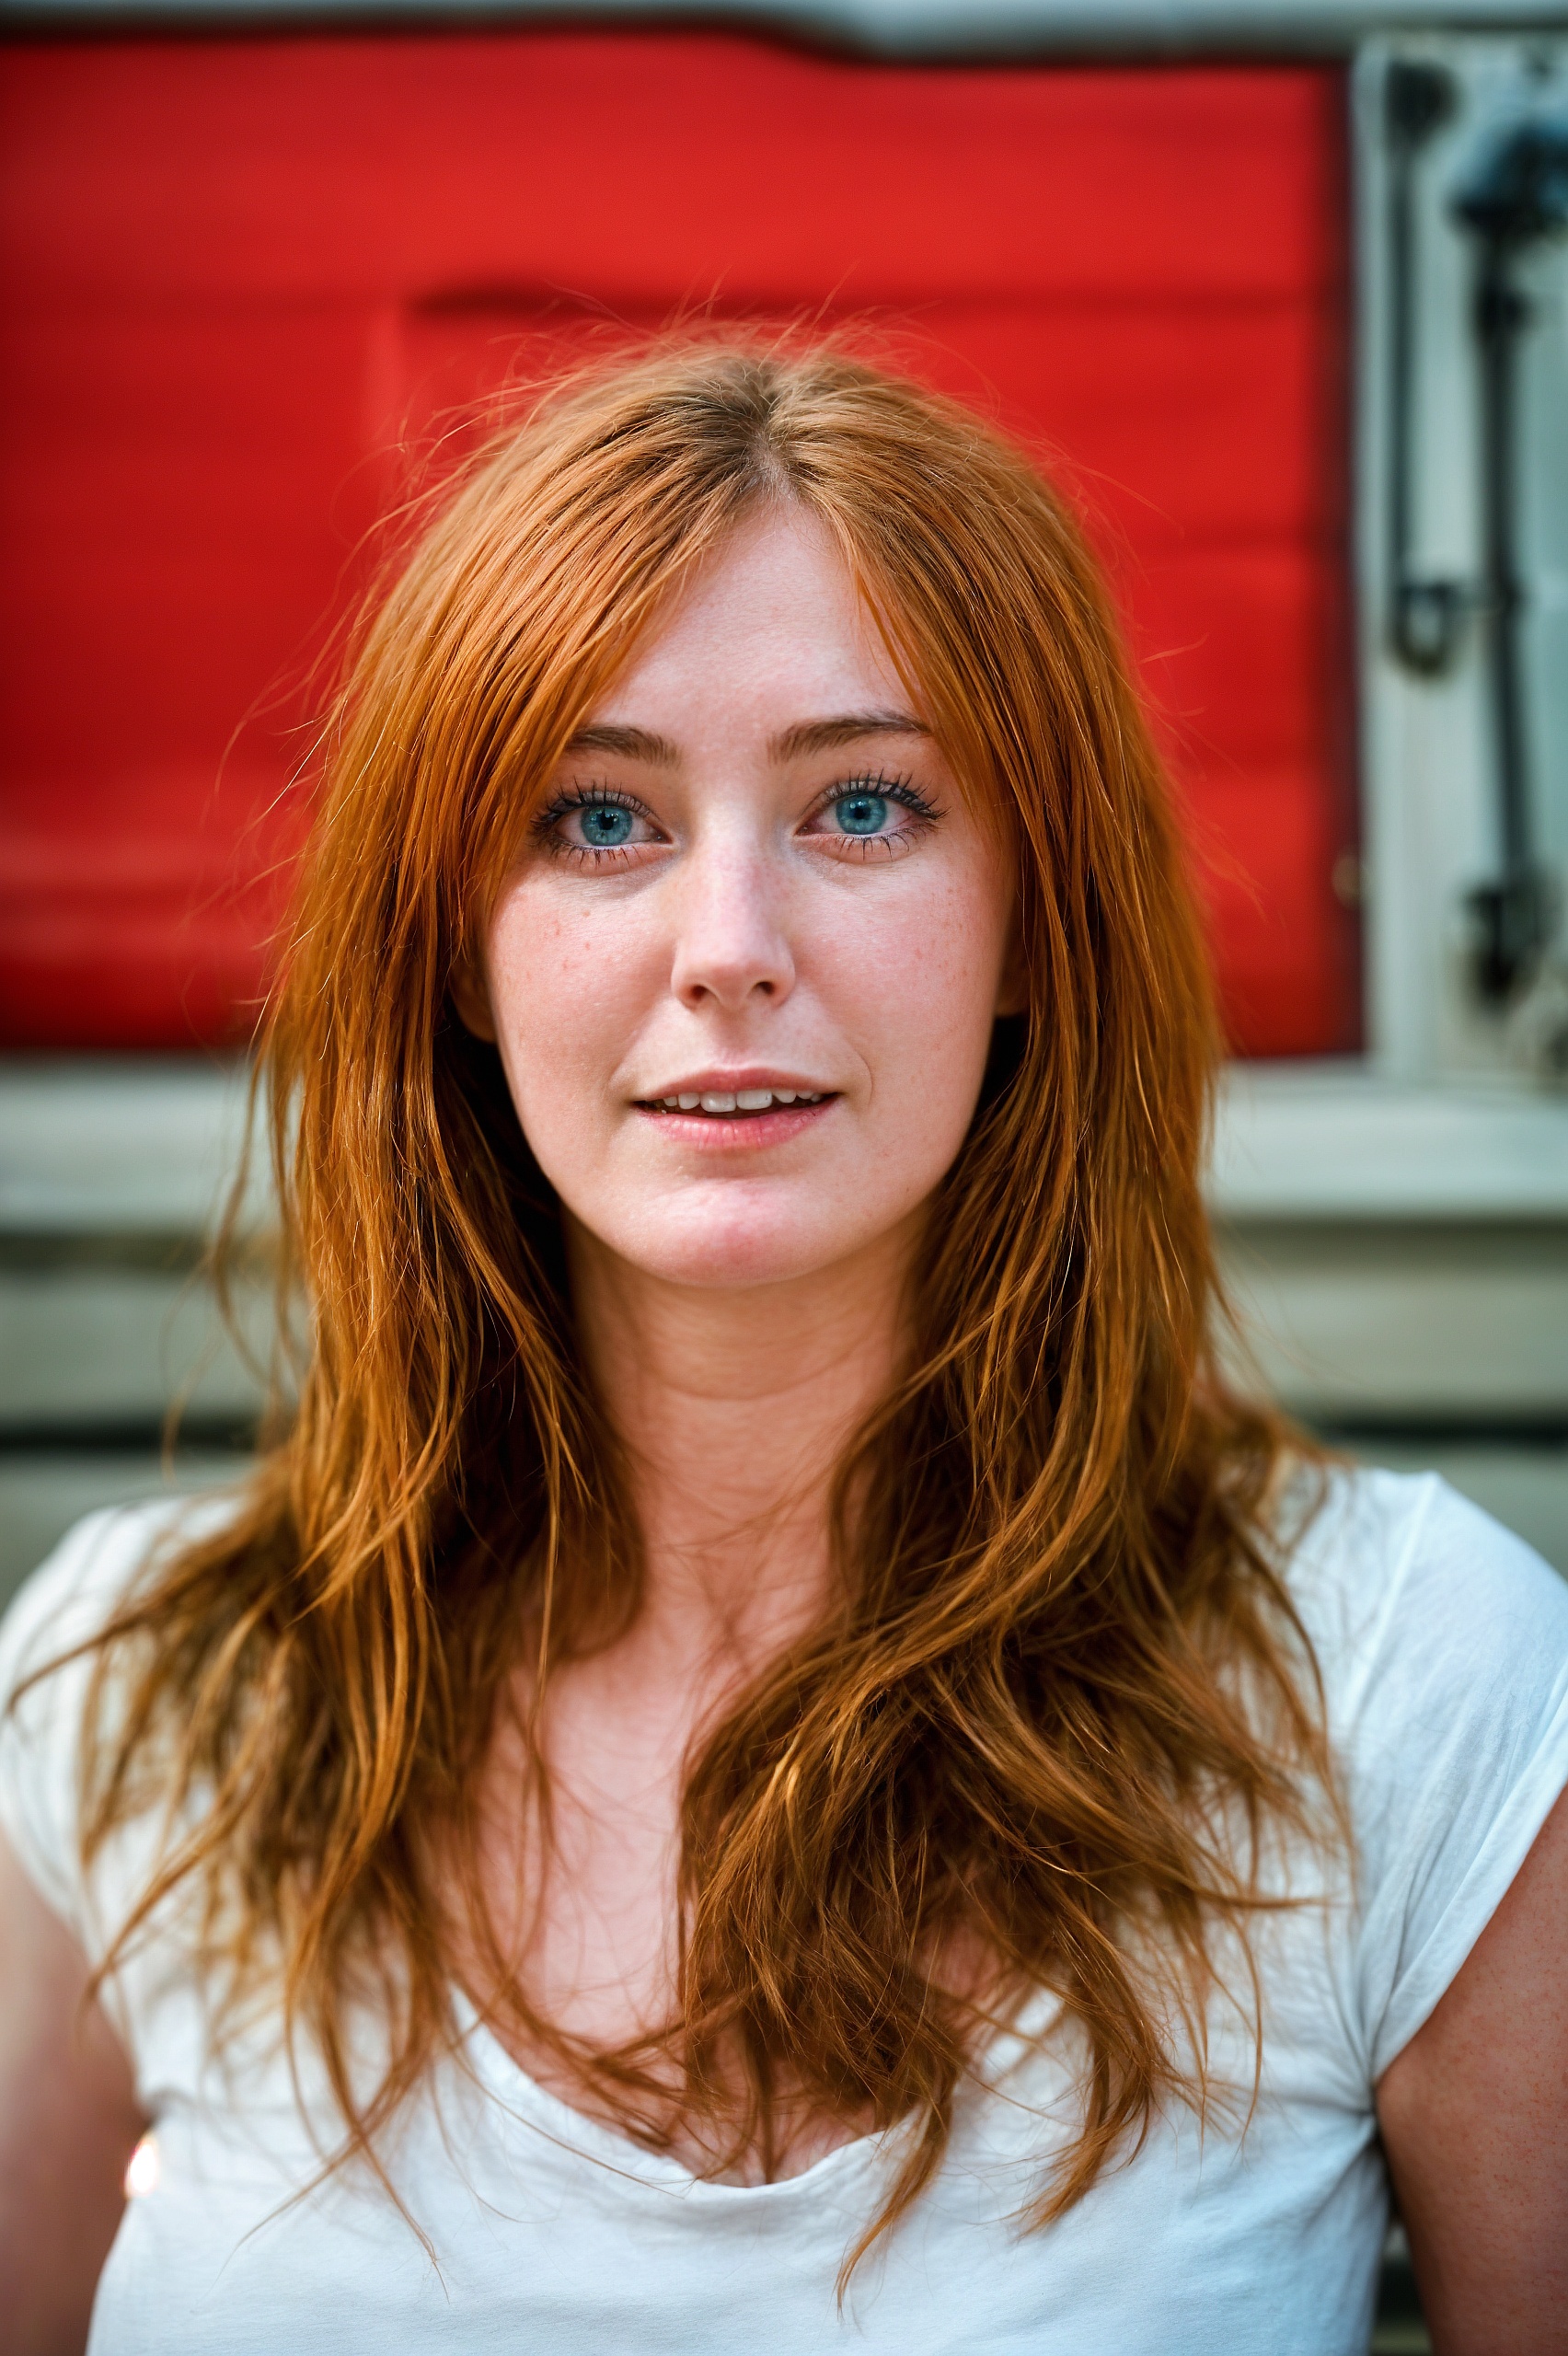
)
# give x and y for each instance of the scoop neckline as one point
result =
(577, 2131)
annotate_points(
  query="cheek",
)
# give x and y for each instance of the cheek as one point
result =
(566, 991)
(917, 992)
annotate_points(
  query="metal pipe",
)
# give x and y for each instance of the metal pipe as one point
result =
(1519, 198)
(1424, 614)
(1501, 313)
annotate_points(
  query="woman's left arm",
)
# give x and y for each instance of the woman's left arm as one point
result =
(1474, 2118)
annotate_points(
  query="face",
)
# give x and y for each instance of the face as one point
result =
(743, 976)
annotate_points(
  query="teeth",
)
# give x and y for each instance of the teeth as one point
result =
(741, 1100)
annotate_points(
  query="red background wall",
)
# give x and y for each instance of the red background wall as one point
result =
(234, 272)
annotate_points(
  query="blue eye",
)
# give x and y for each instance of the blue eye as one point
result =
(604, 828)
(862, 812)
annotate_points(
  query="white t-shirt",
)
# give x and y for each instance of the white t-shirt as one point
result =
(1444, 1647)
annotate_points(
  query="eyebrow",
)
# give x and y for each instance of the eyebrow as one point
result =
(629, 743)
(795, 744)
(844, 728)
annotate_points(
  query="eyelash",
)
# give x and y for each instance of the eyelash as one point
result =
(601, 797)
(891, 789)
(590, 797)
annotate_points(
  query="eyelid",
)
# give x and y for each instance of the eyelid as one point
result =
(589, 797)
(575, 795)
(900, 790)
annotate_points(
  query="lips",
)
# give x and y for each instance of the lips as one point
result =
(732, 1103)
(730, 1113)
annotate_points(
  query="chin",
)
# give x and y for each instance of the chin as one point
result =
(717, 1246)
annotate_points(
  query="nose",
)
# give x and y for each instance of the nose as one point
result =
(732, 948)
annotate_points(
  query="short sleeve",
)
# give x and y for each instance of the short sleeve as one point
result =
(1449, 1706)
(62, 1606)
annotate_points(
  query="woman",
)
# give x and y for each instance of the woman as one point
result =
(772, 1760)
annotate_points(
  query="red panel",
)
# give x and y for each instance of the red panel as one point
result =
(640, 165)
(235, 269)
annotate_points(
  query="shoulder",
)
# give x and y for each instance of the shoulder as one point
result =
(46, 1669)
(1406, 1589)
(82, 1583)
(96, 1568)
(1442, 1643)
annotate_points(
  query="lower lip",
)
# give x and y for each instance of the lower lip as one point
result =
(747, 1133)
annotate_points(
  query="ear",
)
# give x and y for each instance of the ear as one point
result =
(470, 996)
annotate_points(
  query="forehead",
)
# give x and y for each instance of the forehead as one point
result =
(773, 619)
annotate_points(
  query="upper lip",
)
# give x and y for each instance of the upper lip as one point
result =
(717, 1083)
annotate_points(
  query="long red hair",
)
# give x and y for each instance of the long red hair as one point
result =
(1061, 1652)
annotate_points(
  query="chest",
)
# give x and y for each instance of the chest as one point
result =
(579, 1866)
(548, 2234)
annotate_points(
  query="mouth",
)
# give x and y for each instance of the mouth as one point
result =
(740, 1119)
(733, 1104)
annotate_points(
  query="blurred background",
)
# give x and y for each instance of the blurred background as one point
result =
(1279, 292)
(1277, 288)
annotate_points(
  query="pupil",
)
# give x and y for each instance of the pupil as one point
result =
(606, 826)
(862, 814)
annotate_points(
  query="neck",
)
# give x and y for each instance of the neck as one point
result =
(734, 1406)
